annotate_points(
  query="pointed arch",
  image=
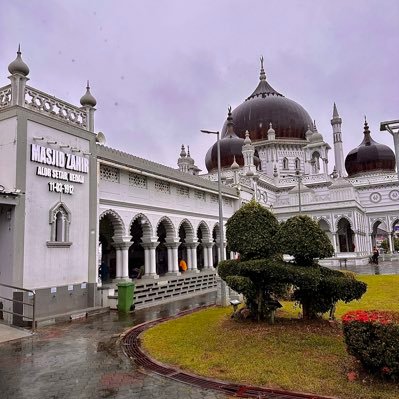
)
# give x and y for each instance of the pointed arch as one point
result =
(322, 220)
(116, 221)
(145, 225)
(297, 164)
(168, 225)
(285, 163)
(59, 219)
(188, 229)
(204, 231)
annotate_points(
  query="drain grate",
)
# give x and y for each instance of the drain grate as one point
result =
(132, 348)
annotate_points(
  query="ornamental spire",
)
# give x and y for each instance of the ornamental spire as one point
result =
(262, 71)
(367, 134)
(335, 112)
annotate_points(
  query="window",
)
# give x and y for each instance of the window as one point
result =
(162, 186)
(60, 219)
(108, 173)
(285, 163)
(297, 164)
(136, 180)
(315, 162)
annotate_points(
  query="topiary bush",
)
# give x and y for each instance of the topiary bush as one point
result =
(372, 337)
(251, 230)
(302, 238)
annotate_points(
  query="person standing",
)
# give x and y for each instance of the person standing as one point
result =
(376, 254)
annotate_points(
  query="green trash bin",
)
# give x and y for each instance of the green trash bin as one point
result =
(125, 296)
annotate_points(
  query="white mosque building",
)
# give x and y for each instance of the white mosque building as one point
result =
(69, 203)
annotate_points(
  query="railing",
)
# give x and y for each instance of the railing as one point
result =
(5, 96)
(33, 318)
(55, 108)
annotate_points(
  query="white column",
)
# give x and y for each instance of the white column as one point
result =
(125, 261)
(170, 258)
(232, 255)
(173, 260)
(210, 256)
(150, 260)
(118, 263)
(390, 240)
(335, 243)
(205, 255)
(194, 258)
(189, 257)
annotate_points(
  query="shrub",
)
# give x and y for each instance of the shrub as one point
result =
(302, 238)
(372, 337)
(251, 230)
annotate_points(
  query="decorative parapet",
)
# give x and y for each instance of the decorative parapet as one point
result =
(5, 96)
(376, 178)
(55, 108)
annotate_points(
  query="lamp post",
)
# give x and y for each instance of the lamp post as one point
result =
(393, 128)
(223, 294)
(299, 177)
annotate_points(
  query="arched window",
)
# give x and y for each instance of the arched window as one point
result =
(315, 162)
(297, 164)
(285, 163)
(59, 219)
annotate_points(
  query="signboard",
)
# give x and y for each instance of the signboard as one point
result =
(66, 164)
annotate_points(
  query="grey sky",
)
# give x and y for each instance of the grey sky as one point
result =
(162, 70)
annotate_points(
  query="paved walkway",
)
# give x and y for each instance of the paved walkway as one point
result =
(83, 360)
(8, 333)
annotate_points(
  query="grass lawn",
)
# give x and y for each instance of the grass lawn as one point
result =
(290, 354)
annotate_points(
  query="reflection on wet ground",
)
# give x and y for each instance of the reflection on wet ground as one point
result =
(82, 359)
(387, 267)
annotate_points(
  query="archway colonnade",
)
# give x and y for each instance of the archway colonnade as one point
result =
(346, 238)
(157, 246)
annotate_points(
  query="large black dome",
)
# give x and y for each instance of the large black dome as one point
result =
(290, 120)
(369, 156)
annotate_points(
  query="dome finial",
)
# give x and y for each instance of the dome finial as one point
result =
(18, 66)
(235, 165)
(262, 71)
(87, 100)
(188, 150)
(183, 151)
(367, 134)
(230, 123)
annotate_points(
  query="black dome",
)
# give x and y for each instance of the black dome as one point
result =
(369, 156)
(290, 120)
(230, 147)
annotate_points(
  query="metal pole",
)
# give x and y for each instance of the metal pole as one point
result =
(299, 193)
(396, 145)
(222, 254)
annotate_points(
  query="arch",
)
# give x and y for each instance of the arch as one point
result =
(395, 223)
(379, 233)
(324, 224)
(315, 161)
(116, 221)
(297, 164)
(285, 163)
(188, 230)
(345, 235)
(145, 225)
(203, 230)
(59, 219)
(169, 227)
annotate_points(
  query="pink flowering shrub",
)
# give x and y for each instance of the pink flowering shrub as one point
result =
(372, 337)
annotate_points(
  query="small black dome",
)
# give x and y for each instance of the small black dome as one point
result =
(370, 156)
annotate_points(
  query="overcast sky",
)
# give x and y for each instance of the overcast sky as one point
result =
(162, 70)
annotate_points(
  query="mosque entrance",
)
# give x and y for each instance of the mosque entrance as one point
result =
(136, 250)
(107, 270)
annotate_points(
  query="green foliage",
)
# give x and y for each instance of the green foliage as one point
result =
(329, 287)
(251, 230)
(374, 341)
(385, 245)
(302, 238)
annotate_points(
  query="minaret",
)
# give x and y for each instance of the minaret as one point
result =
(336, 122)
(183, 163)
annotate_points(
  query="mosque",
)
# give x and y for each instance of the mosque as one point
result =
(73, 210)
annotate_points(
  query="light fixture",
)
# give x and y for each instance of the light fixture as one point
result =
(51, 142)
(64, 145)
(235, 303)
(38, 138)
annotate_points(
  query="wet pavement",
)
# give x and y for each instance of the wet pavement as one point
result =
(384, 267)
(83, 359)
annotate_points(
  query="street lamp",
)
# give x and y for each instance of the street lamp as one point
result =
(393, 128)
(223, 296)
(299, 177)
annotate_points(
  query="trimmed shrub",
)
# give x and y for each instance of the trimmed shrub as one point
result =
(302, 238)
(251, 230)
(372, 337)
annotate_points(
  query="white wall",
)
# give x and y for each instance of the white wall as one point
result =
(8, 147)
(44, 266)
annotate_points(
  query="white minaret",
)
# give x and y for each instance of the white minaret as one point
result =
(336, 122)
(248, 152)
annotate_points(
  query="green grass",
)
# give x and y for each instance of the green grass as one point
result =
(290, 354)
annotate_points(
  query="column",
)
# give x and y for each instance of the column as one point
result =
(356, 241)
(335, 243)
(391, 246)
(150, 260)
(192, 256)
(173, 261)
(125, 259)
(210, 255)
(205, 255)
(232, 255)
(118, 262)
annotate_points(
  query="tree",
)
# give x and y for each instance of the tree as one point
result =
(302, 238)
(251, 230)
